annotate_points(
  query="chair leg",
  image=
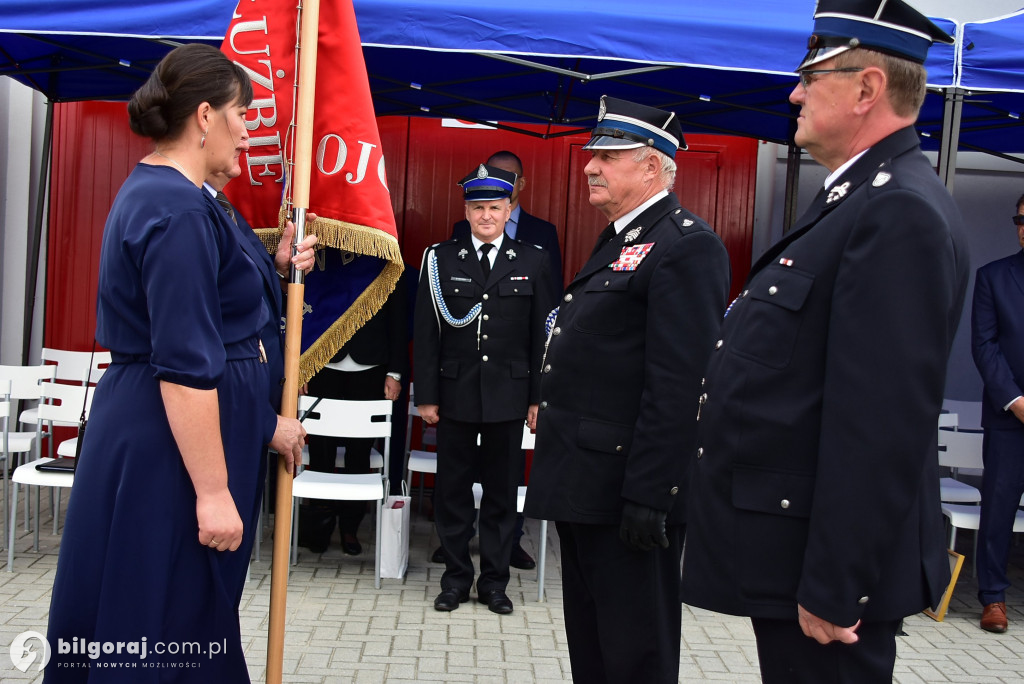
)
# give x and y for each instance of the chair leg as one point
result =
(7, 501)
(294, 541)
(14, 527)
(543, 549)
(35, 524)
(376, 551)
(56, 509)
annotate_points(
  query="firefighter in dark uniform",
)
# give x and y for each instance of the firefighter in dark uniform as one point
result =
(814, 505)
(479, 339)
(623, 369)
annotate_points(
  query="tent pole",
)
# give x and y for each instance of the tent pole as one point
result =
(35, 239)
(951, 114)
(792, 187)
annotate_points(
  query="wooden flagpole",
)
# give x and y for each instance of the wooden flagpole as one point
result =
(308, 36)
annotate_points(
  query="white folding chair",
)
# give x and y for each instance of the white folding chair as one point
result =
(528, 441)
(340, 418)
(12, 443)
(419, 461)
(61, 404)
(84, 367)
(959, 450)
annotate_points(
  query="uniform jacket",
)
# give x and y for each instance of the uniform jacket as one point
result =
(384, 339)
(816, 477)
(270, 335)
(623, 369)
(997, 338)
(532, 231)
(486, 371)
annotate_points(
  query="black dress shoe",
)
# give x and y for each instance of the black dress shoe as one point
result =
(449, 599)
(497, 601)
(351, 548)
(437, 556)
(520, 559)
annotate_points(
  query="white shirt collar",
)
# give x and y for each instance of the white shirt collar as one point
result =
(497, 245)
(831, 178)
(625, 220)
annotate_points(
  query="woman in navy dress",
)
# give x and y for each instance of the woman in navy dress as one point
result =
(160, 522)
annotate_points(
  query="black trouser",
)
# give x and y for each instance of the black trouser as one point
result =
(460, 463)
(622, 607)
(787, 656)
(359, 386)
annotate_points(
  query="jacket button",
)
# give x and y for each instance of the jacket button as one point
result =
(485, 297)
(486, 317)
(700, 452)
(484, 357)
(862, 600)
(485, 337)
(744, 294)
(556, 331)
(674, 491)
(547, 368)
(543, 405)
(718, 344)
(618, 449)
(607, 283)
(784, 503)
(456, 290)
(515, 289)
(772, 290)
(568, 297)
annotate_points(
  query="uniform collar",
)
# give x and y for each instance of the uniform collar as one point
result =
(477, 242)
(625, 220)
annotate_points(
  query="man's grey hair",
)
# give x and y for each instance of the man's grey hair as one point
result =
(668, 164)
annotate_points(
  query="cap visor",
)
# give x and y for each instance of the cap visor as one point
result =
(606, 142)
(819, 55)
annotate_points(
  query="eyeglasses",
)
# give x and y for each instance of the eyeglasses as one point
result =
(805, 74)
(1019, 220)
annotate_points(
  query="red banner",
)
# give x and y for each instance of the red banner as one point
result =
(348, 186)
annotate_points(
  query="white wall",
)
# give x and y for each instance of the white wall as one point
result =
(22, 121)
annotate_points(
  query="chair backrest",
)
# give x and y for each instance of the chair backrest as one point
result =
(969, 412)
(25, 380)
(5, 401)
(74, 365)
(63, 403)
(963, 449)
(950, 420)
(344, 418)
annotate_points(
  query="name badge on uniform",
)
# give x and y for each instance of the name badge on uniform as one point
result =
(631, 256)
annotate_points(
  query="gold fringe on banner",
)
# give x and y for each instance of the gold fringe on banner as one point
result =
(350, 237)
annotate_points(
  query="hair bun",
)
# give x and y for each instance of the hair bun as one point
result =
(146, 110)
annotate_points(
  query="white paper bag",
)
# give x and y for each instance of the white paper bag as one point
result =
(394, 537)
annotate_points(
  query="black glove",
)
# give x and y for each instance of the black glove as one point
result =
(642, 527)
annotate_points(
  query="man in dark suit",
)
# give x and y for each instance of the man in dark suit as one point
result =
(479, 338)
(814, 492)
(521, 225)
(624, 362)
(371, 365)
(997, 343)
(535, 231)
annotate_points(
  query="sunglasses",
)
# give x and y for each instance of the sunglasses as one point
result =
(805, 74)
(1019, 220)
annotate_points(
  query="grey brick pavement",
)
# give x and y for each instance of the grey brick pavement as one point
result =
(340, 629)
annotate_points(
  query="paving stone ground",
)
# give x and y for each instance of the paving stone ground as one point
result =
(340, 629)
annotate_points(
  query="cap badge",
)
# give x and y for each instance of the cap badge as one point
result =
(881, 178)
(462, 254)
(481, 172)
(511, 254)
(602, 110)
(837, 193)
(633, 234)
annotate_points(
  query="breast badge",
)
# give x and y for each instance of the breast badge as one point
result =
(630, 257)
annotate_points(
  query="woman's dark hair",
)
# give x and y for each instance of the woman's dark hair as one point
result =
(185, 78)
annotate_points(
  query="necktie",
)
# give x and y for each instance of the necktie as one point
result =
(485, 261)
(607, 234)
(222, 199)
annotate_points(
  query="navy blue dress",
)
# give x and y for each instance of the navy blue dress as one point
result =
(179, 300)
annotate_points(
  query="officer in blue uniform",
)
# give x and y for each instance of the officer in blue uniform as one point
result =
(479, 339)
(814, 494)
(624, 363)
